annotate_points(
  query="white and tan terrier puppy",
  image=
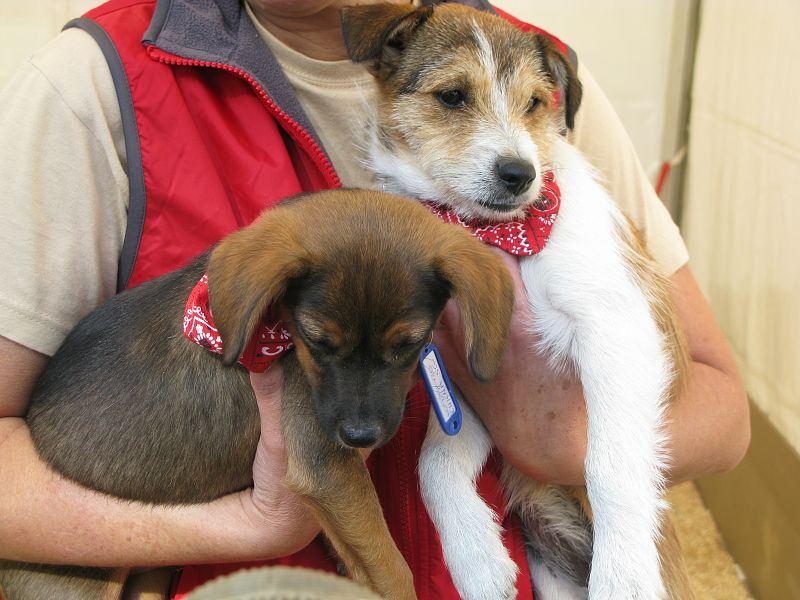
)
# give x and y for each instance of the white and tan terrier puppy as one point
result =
(471, 114)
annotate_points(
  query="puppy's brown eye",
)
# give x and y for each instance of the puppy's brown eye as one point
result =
(452, 98)
(533, 103)
(405, 346)
(323, 344)
(404, 350)
(324, 338)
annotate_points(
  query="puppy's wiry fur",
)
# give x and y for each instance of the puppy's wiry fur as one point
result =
(463, 94)
(129, 407)
(420, 147)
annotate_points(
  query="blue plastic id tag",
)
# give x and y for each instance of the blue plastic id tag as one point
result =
(440, 391)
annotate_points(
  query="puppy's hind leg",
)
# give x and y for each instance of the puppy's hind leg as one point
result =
(335, 484)
(549, 584)
(469, 529)
(27, 581)
(558, 536)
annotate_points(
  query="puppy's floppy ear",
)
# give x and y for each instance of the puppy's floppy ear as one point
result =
(379, 33)
(248, 271)
(482, 287)
(563, 74)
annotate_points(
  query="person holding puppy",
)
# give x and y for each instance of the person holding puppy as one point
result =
(123, 159)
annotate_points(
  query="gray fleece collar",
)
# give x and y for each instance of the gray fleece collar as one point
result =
(220, 31)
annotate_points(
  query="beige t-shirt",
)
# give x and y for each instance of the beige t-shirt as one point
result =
(64, 201)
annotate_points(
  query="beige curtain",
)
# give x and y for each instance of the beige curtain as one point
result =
(742, 204)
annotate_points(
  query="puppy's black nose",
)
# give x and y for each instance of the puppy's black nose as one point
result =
(515, 174)
(359, 436)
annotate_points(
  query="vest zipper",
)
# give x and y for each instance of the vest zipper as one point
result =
(298, 133)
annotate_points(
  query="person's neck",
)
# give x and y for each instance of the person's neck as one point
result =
(317, 35)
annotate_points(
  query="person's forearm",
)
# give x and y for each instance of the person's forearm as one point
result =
(547, 437)
(705, 425)
(538, 425)
(45, 518)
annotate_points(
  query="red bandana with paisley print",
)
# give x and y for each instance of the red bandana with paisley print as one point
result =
(521, 237)
(269, 342)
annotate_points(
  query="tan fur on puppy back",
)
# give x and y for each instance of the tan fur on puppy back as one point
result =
(673, 565)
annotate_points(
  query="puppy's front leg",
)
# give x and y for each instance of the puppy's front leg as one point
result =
(469, 529)
(335, 483)
(624, 376)
(590, 311)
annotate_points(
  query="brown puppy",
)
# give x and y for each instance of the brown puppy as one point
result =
(129, 407)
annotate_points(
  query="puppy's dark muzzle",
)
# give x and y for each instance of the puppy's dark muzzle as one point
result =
(360, 436)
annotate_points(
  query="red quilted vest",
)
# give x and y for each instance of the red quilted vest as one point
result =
(214, 136)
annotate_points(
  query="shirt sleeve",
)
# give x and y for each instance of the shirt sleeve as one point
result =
(600, 135)
(63, 191)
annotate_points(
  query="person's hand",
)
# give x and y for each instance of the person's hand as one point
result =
(535, 415)
(273, 505)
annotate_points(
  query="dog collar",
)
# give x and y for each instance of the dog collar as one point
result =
(521, 237)
(270, 341)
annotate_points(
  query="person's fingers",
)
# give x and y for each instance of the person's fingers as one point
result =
(268, 388)
(521, 305)
(270, 495)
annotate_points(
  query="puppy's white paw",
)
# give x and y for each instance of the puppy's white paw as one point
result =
(626, 575)
(615, 590)
(470, 532)
(479, 563)
(489, 578)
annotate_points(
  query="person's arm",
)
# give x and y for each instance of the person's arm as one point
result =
(46, 518)
(537, 417)
(62, 219)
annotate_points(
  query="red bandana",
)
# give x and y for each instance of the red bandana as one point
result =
(268, 343)
(271, 339)
(524, 237)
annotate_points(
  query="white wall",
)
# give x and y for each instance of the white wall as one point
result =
(635, 50)
(742, 212)
(25, 26)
